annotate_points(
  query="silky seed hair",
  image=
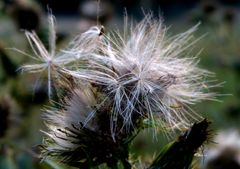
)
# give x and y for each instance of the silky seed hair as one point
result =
(117, 82)
(50, 61)
(146, 73)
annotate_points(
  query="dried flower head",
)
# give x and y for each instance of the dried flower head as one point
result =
(146, 74)
(112, 84)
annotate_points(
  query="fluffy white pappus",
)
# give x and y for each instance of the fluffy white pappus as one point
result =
(86, 43)
(65, 124)
(48, 60)
(147, 73)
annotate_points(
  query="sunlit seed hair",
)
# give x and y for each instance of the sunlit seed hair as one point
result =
(121, 82)
(86, 43)
(48, 60)
(148, 74)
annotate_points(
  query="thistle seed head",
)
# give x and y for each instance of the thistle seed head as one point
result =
(115, 83)
(145, 73)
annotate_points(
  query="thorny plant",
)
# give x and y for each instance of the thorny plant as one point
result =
(109, 86)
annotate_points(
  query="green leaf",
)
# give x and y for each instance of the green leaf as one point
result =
(179, 154)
